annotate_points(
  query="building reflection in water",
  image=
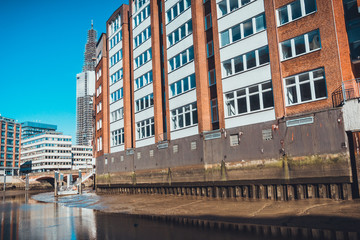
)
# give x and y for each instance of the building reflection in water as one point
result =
(23, 218)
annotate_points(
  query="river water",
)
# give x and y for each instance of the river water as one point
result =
(79, 217)
(42, 216)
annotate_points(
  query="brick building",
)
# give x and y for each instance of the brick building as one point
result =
(214, 91)
(9, 146)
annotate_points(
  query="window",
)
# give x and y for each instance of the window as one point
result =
(98, 91)
(249, 99)
(117, 137)
(98, 74)
(242, 30)
(300, 45)
(184, 116)
(182, 85)
(179, 33)
(305, 87)
(142, 37)
(246, 61)
(116, 58)
(145, 128)
(98, 107)
(227, 6)
(145, 13)
(144, 102)
(99, 124)
(181, 59)
(295, 10)
(208, 23)
(210, 49)
(117, 114)
(177, 9)
(143, 58)
(115, 40)
(214, 110)
(139, 4)
(116, 76)
(212, 77)
(143, 80)
(116, 95)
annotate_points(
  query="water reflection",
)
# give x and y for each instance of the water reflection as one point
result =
(24, 218)
(78, 217)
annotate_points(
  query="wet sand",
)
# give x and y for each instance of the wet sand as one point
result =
(316, 213)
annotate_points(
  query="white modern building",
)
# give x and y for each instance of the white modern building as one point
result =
(46, 152)
(82, 157)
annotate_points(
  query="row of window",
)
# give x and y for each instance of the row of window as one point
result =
(143, 80)
(117, 114)
(145, 13)
(180, 33)
(183, 85)
(145, 128)
(184, 116)
(117, 137)
(301, 44)
(115, 25)
(246, 61)
(177, 9)
(305, 87)
(115, 40)
(116, 76)
(98, 74)
(139, 3)
(116, 95)
(242, 30)
(144, 102)
(142, 37)
(227, 6)
(295, 10)
(143, 58)
(116, 58)
(181, 59)
(249, 99)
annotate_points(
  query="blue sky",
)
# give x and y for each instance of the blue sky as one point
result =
(43, 43)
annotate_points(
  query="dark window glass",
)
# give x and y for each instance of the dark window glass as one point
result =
(299, 45)
(305, 92)
(236, 34)
(291, 95)
(268, 100)
(283, 15)
(254, 102)
(239, 65)
(242, 106)
(264, 55)
(295, 9)
(248, 28)
(310, 6)
(286, 49)
(320, 88)
(250, 60)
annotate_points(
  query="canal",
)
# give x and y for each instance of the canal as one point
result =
(41, 216)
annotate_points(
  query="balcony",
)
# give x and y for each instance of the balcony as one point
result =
(349, 89)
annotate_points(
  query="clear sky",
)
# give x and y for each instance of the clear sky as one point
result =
(42, 49)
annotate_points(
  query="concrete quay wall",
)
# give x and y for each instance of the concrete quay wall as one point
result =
(268, 160)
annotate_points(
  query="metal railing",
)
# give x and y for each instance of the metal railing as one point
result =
(349, 89)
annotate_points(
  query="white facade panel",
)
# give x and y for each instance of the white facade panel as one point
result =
(141, 27)
(169, 4)
(143, 69)
(247, 78)
(145, 142)
(180, 46)
(118, 148)
(250, 118)
(240, 15)
(181, 72)
(245, 45)
(115, 49)
(116, 125)
(144, 91)
(115, 67)
(182, 99)
(142, 48)
(116, 86)
(144, 114)
(186, 132)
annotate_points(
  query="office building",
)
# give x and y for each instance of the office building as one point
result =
(47, 151)
(9, 146)
(226, 90)
(31, 128)
(82, 158)
(85, 90)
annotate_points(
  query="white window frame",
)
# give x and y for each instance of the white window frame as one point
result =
(141, 128)
(140, 104)
(297, 84)
(293, 47)
(182, 82)
(117, 137)
(289, 13)
(186, 109)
